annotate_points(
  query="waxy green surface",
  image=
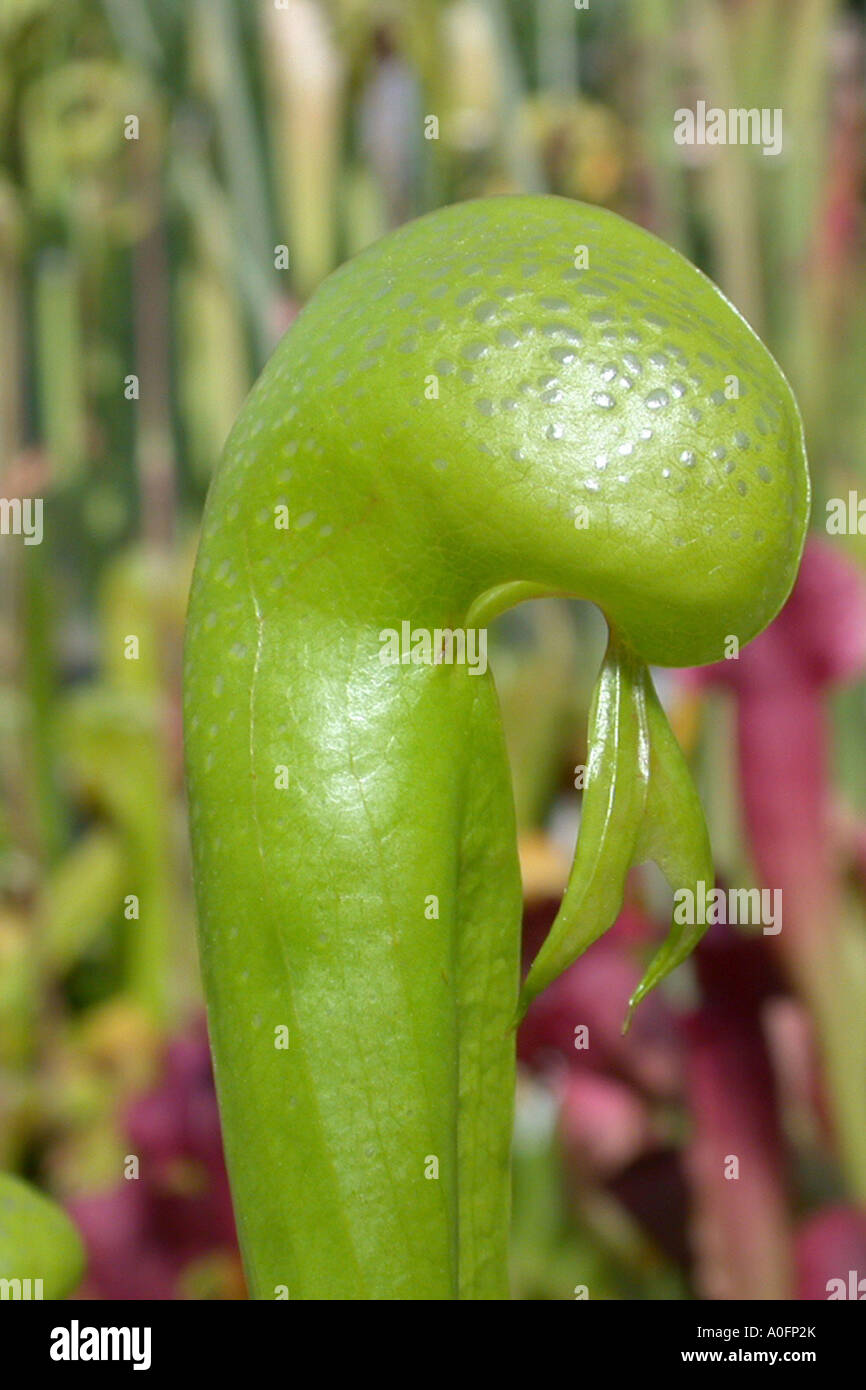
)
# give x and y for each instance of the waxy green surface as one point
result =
(436, 421)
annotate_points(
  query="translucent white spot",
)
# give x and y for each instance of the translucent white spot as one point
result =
(603, 400)
(562, 330)
(657, 400)
(472, 351)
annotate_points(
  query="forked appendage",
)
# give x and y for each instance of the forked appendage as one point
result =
(639, 803)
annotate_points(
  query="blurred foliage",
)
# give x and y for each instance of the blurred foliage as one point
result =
(176, 177)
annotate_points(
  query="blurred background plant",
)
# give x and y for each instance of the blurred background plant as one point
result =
(176, 177)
